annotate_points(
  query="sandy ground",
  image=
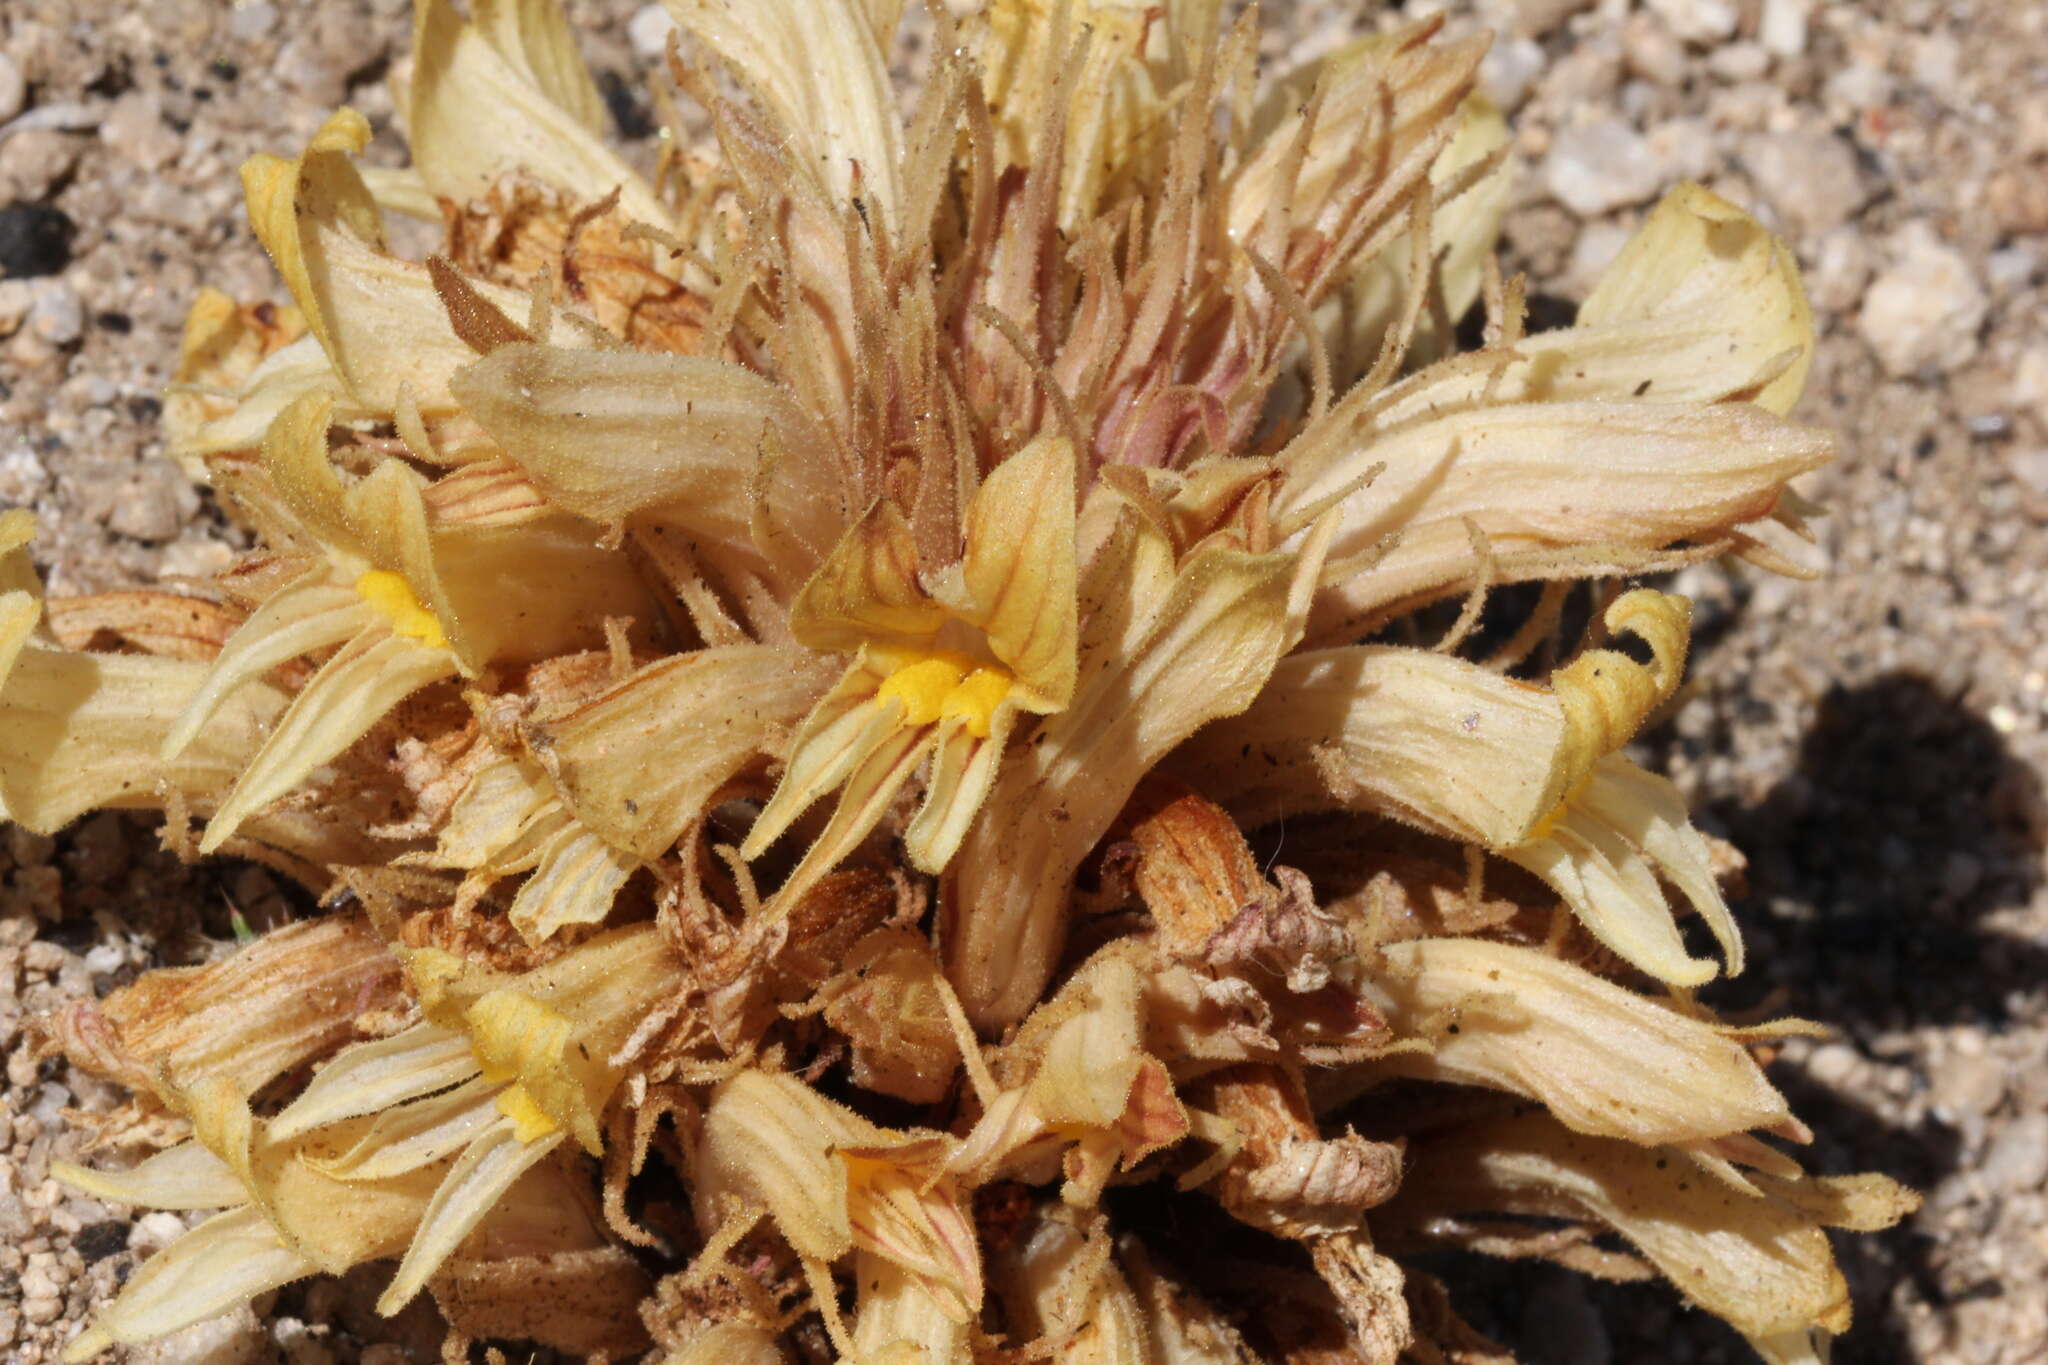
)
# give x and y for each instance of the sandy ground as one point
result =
(1874, 741)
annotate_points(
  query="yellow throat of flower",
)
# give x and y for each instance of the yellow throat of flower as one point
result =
(944, 685)
(392, 596)
(529, 1120)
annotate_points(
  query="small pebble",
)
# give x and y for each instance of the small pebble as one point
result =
(154, 1231)
(58, 317)
(1809, 175)
(1510, 67)
(234, 1338)
(16, 298)
(2030, 382)
(149, 507)
(35, 239)
(34, 162)
(1599, 167)
(1782, 27)
(250, 22)
(1538, 17)
(136, 131)
(1841, 268)
(1652, 50)
(648, 30)
(22, 476)
(1701, 22)
(1860, 87)
(13, 88)
(1739, 62)
(2029, 465)
(1684, 150)
(1921, 315)
(1833, 1064)
(2018, 1159)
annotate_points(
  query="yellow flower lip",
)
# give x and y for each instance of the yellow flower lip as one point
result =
(947, 684)
(391, 595)
(529, 1120)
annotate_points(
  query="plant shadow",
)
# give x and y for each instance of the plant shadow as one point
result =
(1876, 867)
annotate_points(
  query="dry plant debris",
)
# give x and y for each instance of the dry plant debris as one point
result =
(779, 672)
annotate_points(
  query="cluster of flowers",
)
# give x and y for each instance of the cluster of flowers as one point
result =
(779, 674)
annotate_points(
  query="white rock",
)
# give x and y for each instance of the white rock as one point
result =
(648, 30)
(1782, 27)
(1537, 17)
(1601, 167)
(1841, 267)
(194, 559)
(1652, 50)
(2011, 267)
(1936, 62)
(1684, 149)
(1586, 77)
(57, 317)
(1860, 87)
(1833, 1064)
(2030, 382)
(16, 298)
(1739, 62)
(232, 1339)
(37, 1284)
(300, 1346)
(136, 130)
(22, 477)
(1809, 175)
(1967, 1085)
(2029, 465)
(151, 505)
(1509, 68)
(1921, 315)
(1700, 21)
(13, 88)
(154, 1231)
(2030, 124)
(250, 22)
(34, 160)
(2018, 1159)
(1592, 253)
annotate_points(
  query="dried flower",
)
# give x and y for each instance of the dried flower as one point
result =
(792, 658)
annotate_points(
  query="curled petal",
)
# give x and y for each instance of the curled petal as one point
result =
(187, 1176)
(710, 712)
(275, 1005)
(351, 692)
(820, 72)
(515, 57)
(228, 1259)
(1603, 1060)
(483, 1173)
(1759, 1263)
(713, 449)
(1018, 574)
(378, 318)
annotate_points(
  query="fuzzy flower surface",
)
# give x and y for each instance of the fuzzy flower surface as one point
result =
(790, 678)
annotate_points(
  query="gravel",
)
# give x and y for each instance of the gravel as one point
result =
(1875, 740)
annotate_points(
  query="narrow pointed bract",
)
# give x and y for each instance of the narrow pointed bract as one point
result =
(935, 659)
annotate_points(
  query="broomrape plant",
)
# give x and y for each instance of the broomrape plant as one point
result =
(777, 673)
